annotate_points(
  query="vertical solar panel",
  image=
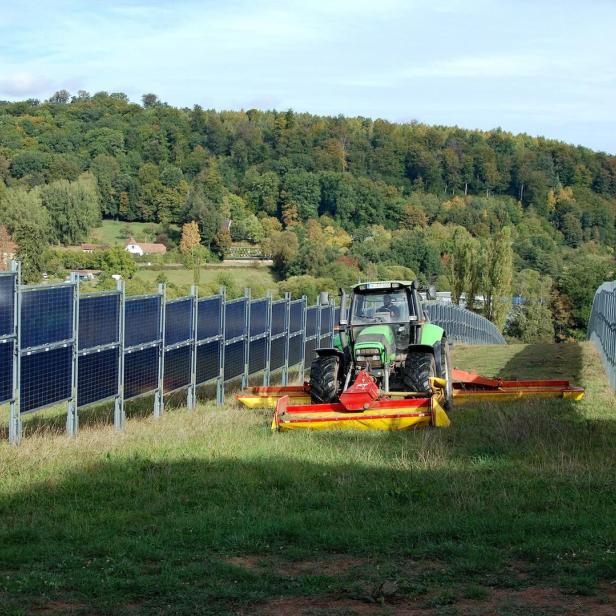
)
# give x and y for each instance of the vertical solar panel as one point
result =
(234, 360)
(311, 321)
(208, 361)
(235, 319)
(140, 372)
(7, 304)
(296, 316)
(45, 378)
(258, 317)
(97, 376)
(277, 353)
(278, 316)
(326, 320)
(311, 345)
(208, 317)
(142, 320)
(178, 321)
(6, 370)
(258, 355)
(99, 320)
(46, 315)
(295, 349)
(177, 368)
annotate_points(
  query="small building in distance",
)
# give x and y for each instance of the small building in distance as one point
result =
(143, 248)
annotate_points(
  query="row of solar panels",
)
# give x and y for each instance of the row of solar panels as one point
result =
(104, 345)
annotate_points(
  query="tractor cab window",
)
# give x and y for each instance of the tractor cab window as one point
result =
(391, 307)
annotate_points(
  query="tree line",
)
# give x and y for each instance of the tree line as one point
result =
(331, 199)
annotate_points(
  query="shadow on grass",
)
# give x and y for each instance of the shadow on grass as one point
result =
(140, 535)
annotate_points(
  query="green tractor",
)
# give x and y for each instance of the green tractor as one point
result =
(383, 331)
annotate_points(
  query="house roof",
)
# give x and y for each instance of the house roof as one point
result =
(146, 247)
(160, 249)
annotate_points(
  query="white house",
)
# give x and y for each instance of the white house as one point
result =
(143, 248)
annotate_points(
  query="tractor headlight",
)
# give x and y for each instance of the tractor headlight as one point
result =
(373, 356)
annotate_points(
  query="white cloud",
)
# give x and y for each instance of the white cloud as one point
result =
(24, 84)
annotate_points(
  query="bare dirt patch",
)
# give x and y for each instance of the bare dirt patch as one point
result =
(536, 601)
(61, 607)
(331, 566)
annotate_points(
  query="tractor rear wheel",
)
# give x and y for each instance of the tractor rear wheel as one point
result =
(324, 379)
(417, 371)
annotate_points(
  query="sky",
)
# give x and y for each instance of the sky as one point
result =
(544, 67)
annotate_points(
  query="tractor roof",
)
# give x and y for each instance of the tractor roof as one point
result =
(383, 285)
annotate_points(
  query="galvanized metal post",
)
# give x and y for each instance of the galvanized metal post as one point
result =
(72, 416)
(247, 311)
(287, 338)
(220, 385)
(268, 340)
(317, 341)
(302, 366)
(191, 396)
(15, 427)
(159, 399)
(119, 413)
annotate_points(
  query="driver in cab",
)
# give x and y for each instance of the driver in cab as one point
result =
(389, 308)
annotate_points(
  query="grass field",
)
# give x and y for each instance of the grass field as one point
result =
(259, 279)
(511, 511)
(112, 232)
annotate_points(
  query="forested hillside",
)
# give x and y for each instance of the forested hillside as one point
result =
(330, 198)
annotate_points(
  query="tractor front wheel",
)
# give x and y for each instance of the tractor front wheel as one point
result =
(325, 379)
(418, 369)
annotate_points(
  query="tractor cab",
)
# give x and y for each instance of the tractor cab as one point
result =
(382, 322)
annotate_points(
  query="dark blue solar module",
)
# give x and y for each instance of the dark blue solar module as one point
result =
(278, 312)
(6, 370)
(7, 304)
(297, 311)
(326, 341)
(208, 318)
(99, 320)
(142, 320)
(311, 321)
(295, 349)
(97, 376)
(326, 320)
(234, 319)
(46, 316)
(208, 361)
(234, 360)
(178, 321)
(311, 345)
(177, 368)
(140, 372)
(258, 317)
(258, 355)
(45, 378)
(277, 353)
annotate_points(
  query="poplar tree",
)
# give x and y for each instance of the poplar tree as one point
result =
(191, 249)
(497, 276)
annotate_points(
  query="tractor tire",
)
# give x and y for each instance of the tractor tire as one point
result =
(324, 379)
(417, 370)
(447, 374)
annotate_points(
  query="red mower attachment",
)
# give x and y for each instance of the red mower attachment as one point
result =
(361, 394)
(362, 406)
